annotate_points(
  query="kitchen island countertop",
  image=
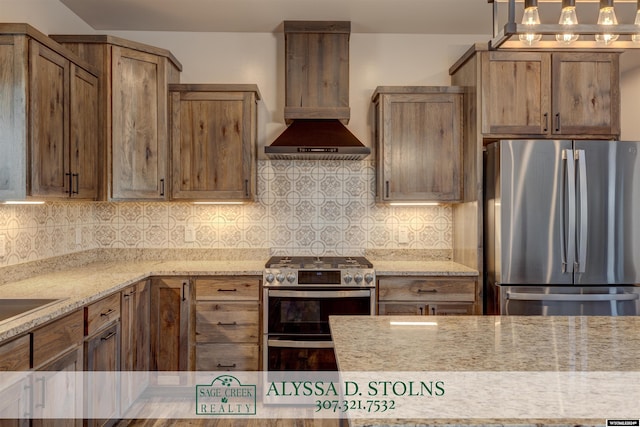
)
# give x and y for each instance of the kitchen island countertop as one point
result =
(486, 344)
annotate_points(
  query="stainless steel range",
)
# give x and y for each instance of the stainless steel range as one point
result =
(300, 293)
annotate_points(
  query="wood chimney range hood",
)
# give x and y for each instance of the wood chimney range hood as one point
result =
(317, 94)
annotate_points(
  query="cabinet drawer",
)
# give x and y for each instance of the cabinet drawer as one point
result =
(426, 289)
(101, 313)
(402, 309)
(227, 357)
(227, 322)
(228, 288)
(57, 337)
(14, 355)
(450, 309)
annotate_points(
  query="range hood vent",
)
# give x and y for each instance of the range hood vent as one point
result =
(317, 139)
(317, 94)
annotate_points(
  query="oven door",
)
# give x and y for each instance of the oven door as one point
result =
(299, 354)
(306, 312)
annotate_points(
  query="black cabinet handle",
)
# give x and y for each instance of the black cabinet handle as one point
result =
(162, 187)
(184, 292)
(108, 337)
(427, 291)
(226, 366)
(386, 186)
(44, 394)
(228, 324)
(546, 122)
(557, 122)
(246, 188)
(108, 312)
(70, 179)
(77, 177)
(227, 290)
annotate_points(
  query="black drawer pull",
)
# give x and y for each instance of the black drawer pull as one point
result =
(108, 312)
(227, 324)
(227, 290)
(427, 291)
(108, 337)
(220, 365)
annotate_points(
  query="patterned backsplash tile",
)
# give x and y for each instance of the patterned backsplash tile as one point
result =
(302, 207)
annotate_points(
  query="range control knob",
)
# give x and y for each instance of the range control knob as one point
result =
(368, 277)
(280, 277)
(358, 278)
(291, 277)
(269, 277)
(347, 278)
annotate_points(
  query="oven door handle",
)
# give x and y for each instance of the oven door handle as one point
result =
(319, 294)
(300, 344)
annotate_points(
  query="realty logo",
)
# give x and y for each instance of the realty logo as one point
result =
(225, 396)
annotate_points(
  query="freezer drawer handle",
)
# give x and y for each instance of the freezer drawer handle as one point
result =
(571, 297)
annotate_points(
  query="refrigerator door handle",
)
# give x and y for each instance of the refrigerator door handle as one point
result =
(582, 239)
(569, 238)
(571, 297)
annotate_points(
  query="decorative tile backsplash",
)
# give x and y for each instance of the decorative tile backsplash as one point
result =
(302, 207)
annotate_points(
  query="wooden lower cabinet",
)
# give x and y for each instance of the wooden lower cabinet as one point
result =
(171, 320)
(414, 295)
(102, 354)
(57, 353)
(58, 388)
(134, 341)
(227, 323)
(15, 404)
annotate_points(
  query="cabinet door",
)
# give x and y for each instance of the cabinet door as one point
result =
(212, 136)
(135, 339)
(421, 147)
(171, 324)
(585, 94)
(48, 121)
(58, 391)
(139, 125)
(515, 93)
(83, 134)
(102, 354)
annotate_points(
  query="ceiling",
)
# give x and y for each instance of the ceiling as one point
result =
(366, 16)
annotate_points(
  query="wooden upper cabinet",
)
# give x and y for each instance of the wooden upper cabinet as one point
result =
(569, 94)
(586, 93)
(134, 113)
(48, 125)
(317, 70)
(213, 137)
(419, 143)
(515, 93)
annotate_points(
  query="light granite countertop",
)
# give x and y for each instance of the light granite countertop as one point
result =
(80, 279)
(79, 286)
(421, 268)
(506, 345)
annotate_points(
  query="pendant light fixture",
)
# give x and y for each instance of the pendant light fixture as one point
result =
(607, 17)
(530, 18)
(568, 18)
(636, 37)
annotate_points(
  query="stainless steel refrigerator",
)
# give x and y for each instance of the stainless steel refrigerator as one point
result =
(562, 227)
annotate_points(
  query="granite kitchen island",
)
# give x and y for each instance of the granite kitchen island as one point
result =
(563, 347)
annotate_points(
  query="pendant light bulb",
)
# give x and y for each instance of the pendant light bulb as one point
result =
(607, 16)
(530, 17)
(568, 18)
(636, 37)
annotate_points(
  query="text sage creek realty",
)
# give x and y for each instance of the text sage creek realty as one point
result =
(352, 388)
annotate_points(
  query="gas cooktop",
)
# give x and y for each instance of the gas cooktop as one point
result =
(318, 263)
